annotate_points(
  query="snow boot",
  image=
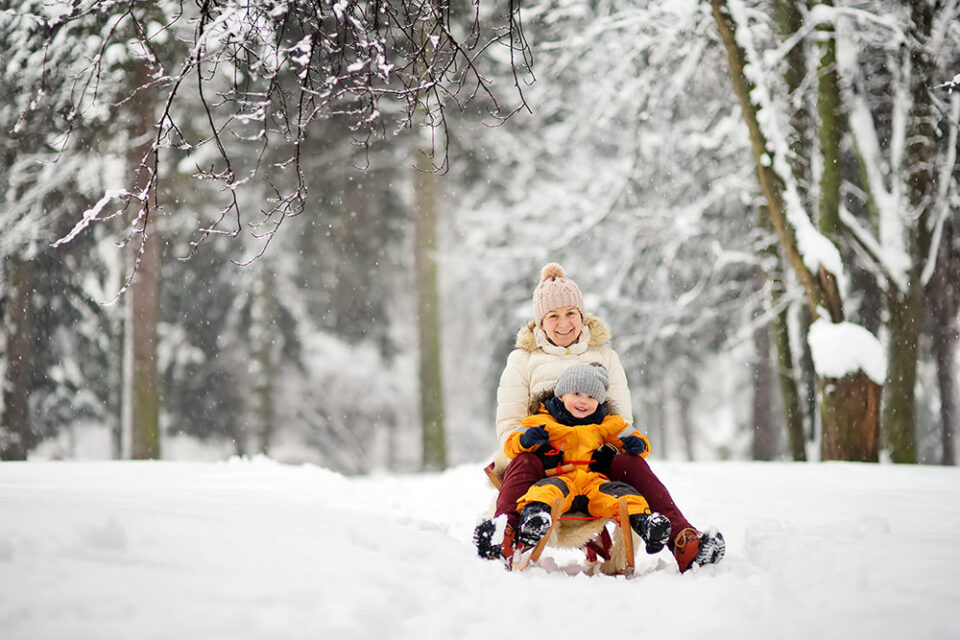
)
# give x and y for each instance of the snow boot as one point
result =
(692, 547)
(654, 528)
(535, 522)
(494, 539)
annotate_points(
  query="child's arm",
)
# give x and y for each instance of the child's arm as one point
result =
(527, 437)
(625, 437)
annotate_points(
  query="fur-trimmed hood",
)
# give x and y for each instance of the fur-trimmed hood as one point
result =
(599, 333)
(542, 398)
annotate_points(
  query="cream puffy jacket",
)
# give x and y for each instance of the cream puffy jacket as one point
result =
(534, 366)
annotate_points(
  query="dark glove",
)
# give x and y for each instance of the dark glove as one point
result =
(602, 457)
(634, 445)
(534, 436)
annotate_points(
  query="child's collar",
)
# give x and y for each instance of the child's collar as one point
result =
(555, 408)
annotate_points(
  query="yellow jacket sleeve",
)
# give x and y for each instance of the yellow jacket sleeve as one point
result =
(512, 447)
(615, 429)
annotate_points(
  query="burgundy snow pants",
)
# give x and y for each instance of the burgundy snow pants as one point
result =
(527, 468)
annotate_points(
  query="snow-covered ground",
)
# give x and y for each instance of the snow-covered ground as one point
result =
(255, 549)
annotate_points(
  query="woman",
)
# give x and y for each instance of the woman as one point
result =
(560, 335)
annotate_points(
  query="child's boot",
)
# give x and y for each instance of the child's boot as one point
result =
(494, 538)
(654, 528)
(693, 547)
(535, 522)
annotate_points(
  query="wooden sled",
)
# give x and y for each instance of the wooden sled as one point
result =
(612, 552)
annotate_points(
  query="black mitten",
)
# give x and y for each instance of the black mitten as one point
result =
(602, 457)
(634, 445)
(534, 436)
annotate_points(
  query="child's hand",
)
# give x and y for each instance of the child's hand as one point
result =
(634, 445)
(534, 437)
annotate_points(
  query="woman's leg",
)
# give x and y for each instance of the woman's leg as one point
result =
(635, 471)
(522, 472)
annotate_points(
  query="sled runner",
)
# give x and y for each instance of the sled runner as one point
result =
(607, 543)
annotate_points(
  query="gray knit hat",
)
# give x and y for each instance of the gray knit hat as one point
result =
(591, 379)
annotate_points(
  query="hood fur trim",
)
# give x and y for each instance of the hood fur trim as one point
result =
(535, 402)
(599, 333)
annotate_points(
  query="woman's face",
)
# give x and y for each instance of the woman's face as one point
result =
(562, 325)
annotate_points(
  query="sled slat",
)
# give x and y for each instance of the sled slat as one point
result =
(627, 532)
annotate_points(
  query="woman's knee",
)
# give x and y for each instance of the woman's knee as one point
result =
(525, 465)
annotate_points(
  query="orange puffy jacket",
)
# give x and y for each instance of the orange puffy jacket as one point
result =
(578, 442)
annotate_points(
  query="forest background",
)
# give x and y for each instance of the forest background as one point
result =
(312, 230)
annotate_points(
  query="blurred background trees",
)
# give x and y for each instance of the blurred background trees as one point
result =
(283, 173)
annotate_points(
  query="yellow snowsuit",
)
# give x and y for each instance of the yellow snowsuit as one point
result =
(577, 443)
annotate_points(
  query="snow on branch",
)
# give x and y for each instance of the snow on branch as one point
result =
(92, 215)
(840, 349)
(953, 86)
(826, 14)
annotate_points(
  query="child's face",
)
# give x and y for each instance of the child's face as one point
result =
(580, 405)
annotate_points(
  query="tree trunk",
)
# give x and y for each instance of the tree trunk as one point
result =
(830, 130)
(16, 432)
(145, 289)
(943, 308)
(428, 314)
(789, 17)
(899, 404)
(808, 376)
(779, 329)
(764, 436)
(265, 383)
(426, 187)
(686, 424)
(118, 354)
(786, 372)
(850, 408)
(145, 392)
(906, 307)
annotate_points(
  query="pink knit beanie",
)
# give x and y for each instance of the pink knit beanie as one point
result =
(555, 291)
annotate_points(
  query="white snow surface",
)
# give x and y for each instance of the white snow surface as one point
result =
(255, 549)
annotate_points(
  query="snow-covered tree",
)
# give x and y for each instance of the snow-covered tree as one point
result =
(903, 135)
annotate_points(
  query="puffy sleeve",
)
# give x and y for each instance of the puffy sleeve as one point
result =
(614, 429)
(619, 392)
(512, 447)
(513, 395)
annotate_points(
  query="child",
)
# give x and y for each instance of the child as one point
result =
(573, 423)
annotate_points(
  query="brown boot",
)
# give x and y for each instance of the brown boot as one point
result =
(692, 547)
(685, 548)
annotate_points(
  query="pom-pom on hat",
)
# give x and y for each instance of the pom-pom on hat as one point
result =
(591, 379)
(555, 290)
